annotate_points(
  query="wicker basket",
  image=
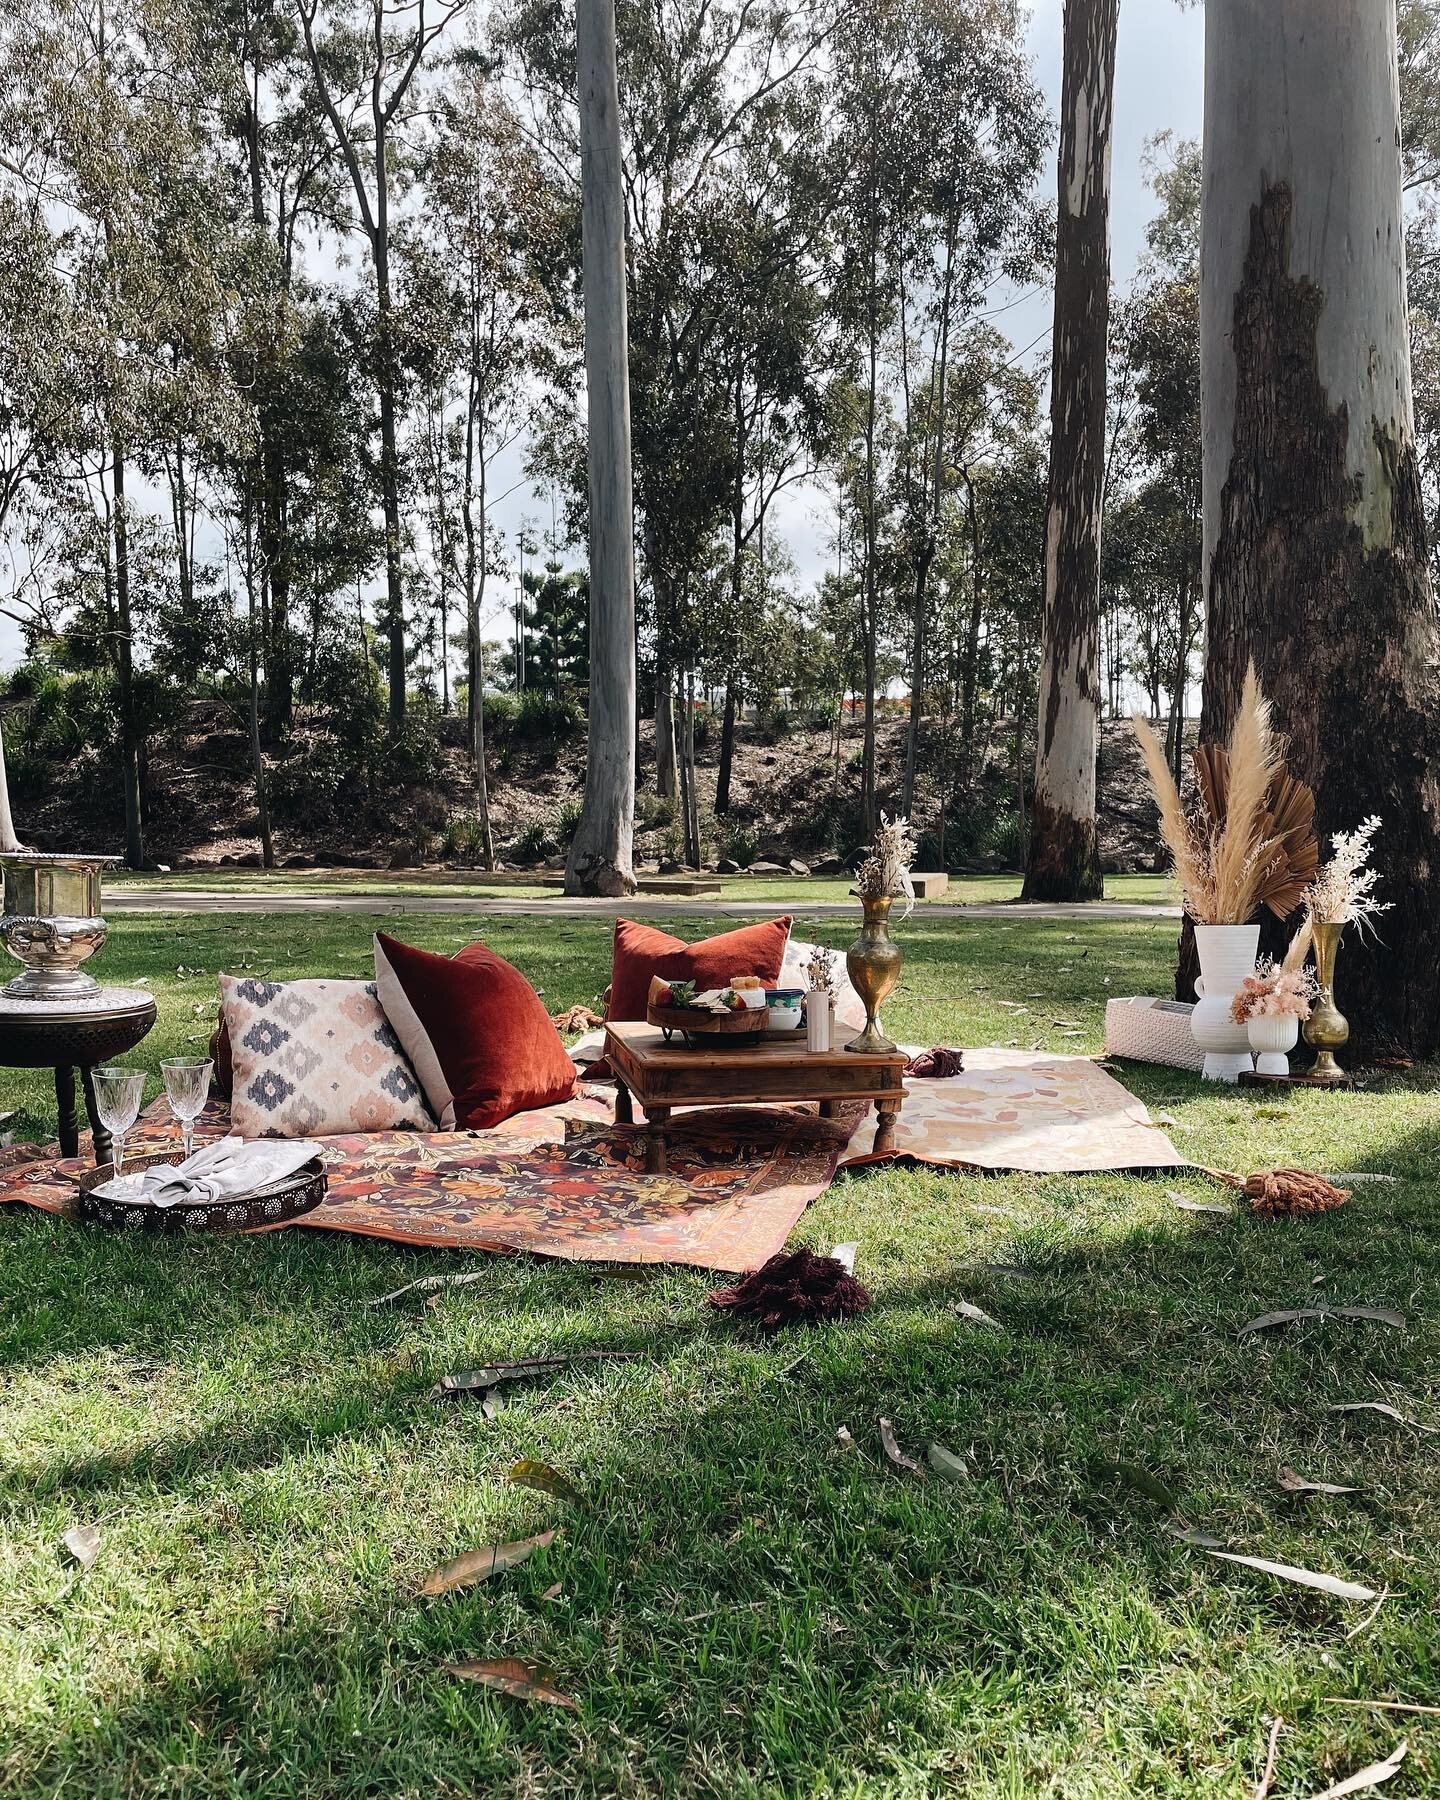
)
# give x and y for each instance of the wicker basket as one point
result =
(1152, 1031)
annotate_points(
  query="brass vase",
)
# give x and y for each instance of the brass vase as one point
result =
(873, 961)
(1327, 1028)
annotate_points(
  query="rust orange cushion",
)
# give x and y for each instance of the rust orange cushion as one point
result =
(476, 1033)
(641, 951)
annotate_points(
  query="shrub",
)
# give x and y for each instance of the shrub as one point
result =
(1004, 839)
(567, 823)
(738, 842)
(463, 839)
(652, 810)
(548, 719)
(535, 842)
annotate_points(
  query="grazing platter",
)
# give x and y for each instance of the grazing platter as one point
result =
(733, 1015)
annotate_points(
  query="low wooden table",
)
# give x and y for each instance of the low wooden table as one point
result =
(774, 1072)
(81, 1032)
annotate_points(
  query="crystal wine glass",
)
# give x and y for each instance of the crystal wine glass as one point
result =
(187, 1088)
(118, 1093)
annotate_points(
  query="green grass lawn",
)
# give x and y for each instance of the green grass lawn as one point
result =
(745, 1606)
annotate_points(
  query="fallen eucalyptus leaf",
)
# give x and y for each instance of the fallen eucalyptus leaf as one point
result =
(518, 1679)
(1181, 1204)
(470, 1381)
(1142, 1481)
(893, 1451)
(552, 1592)
(1190, 1534)
(1372, 1776)
(83, 1543)
(1395, 1706)
(845, 1255)
(1379, 1315)
(1297, 1484)
(1311, 1578)
(945, 1463)
(977, 1315)
(545, 1480)
(492, 1403)
(480, 1565)
(1390, 1412)
(844, 1439)
(428, 1284)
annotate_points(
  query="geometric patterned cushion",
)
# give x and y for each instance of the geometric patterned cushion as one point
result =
(315, 1058)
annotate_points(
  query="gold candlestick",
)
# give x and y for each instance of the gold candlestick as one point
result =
(1327, 1028)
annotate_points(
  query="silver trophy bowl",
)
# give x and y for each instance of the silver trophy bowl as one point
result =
(51, 922)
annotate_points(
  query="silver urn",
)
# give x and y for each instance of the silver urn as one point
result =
(52, 922)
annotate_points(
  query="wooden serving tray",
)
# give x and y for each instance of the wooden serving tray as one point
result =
(299, 1193)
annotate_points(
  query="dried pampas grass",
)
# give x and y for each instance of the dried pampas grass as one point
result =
(1253, 844)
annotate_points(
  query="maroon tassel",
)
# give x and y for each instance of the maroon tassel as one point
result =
(794, 1288)
(938, 1064)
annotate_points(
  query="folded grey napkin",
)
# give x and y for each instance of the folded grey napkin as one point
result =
(227, 1170)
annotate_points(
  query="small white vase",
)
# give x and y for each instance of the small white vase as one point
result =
(1274, 1037)
(1227, 955)
(819, 1021)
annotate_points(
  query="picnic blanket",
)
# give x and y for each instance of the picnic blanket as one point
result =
(565, 1181)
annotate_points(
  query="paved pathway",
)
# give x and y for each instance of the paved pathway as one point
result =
(644, 906)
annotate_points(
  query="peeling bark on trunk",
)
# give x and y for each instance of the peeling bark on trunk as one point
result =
(601, 853)
(1314, 527)
(1064, 861)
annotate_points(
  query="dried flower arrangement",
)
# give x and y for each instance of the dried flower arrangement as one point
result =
(1343, 893)
(1274, 992)
(820, 970)
(1251, 842)
(885, 870)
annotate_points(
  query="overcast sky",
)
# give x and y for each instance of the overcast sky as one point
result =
(1159, 85)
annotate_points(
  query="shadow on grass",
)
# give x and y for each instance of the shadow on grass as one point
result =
(747, 1605)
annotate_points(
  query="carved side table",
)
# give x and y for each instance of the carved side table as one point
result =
(81, 1032)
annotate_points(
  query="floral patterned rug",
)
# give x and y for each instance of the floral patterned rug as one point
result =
(565, 1181)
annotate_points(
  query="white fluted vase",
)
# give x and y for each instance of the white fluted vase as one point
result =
(1227, 955)
(1273, 1036)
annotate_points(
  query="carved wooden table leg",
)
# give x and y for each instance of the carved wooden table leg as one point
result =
(104, 1144)
(69, 1132)
(657, 1161)
(885, 1129)
(624, 1111)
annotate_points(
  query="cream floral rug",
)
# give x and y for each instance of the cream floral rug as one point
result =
(1025, 1110)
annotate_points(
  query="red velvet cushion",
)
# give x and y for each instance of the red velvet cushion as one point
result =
(475, 1030)
(641, 951)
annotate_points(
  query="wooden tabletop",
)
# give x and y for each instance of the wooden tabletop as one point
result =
(646, 1046)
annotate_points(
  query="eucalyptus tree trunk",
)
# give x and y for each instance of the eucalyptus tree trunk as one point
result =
(1064, 862)
(1314, 524)
(8, 839)
(601, 852)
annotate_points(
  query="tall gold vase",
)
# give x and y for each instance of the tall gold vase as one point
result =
(1327, 1028)
(873, 961)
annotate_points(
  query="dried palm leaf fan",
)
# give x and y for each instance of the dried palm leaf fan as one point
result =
(1251, 842)
(1287, 817)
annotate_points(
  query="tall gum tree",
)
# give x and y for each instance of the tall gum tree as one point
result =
(601, 859)
(1064, 860)
(1314, 525)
